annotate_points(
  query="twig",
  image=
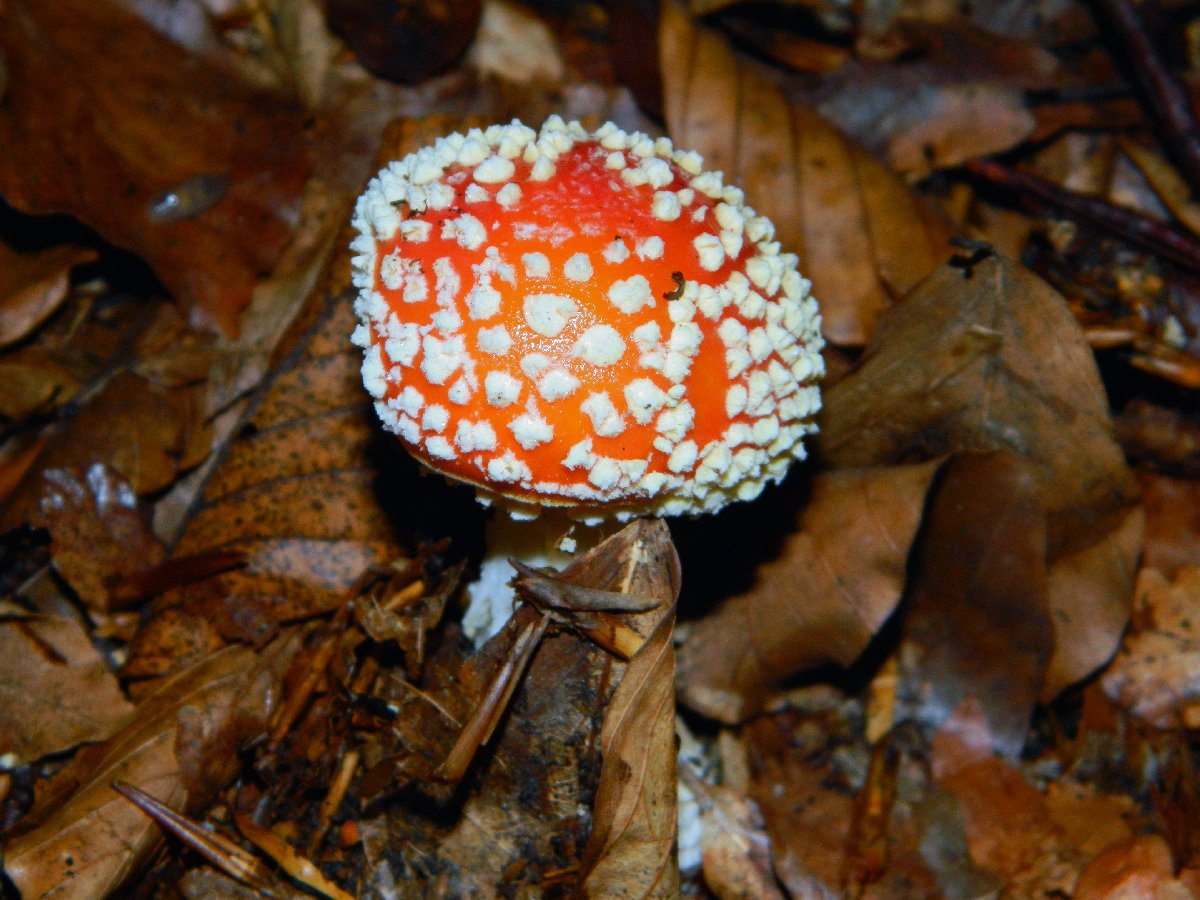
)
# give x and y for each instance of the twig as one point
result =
(1150, 234)
(1165, 93)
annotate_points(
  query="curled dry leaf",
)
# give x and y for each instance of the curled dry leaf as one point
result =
(990, 358)
(836, 580)
(180, 746)
(976, 623)
(32, 285)
(55, 690)
(864, 238)
(162, 154)
(1156, 673)
(521, 816)
(631, 850)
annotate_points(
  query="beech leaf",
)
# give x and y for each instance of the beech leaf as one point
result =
(990, 358)
(32, 285)
(197, 173)
(55, 689)
(631, 850)
(863, 237)
(180, 746)
(976, 623)
(834, 583)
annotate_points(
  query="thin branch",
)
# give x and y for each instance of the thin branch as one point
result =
(1170, 103)
(1151, 235)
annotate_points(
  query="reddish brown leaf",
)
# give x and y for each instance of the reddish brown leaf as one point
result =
(977, 624)
(55, 689)
(1008, 828)
(162, 154)
(863, 237)
(100, 530)
(990, 357)
(1172, 522)
(1156, 673)
(836, 580)
(180, 747)
(32, 285)
(1138, 867)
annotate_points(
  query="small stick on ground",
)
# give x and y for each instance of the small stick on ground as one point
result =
(1149, 234)
(1166, 95)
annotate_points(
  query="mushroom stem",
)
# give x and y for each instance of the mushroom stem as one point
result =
(552, 540)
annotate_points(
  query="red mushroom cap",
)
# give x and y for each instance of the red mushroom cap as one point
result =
(583, 320)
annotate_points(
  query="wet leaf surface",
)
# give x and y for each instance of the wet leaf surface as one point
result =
(160, 153)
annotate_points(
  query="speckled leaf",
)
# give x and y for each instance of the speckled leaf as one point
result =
(196, 172)
(310, 490)
(863, 237)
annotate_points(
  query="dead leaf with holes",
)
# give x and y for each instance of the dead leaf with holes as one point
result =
(863, 237)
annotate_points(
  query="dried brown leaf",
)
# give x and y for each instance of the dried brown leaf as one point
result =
(958, 94)
(1172, 522)
(180, 746)
(631, 850)
(977, 624)
(309, 490)
(836, 580)
(1138, 867)
(34, 382)
(863, 237)
(55, 689)
(196, 172)
(32, 285)
(99, 528)
(521, 816)
(1156, 673)
(991, 358)
(1009, 829)
(735, 845)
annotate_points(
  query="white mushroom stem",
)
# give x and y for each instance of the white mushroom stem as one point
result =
(552, 540)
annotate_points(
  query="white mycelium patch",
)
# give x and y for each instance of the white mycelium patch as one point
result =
(739, 302)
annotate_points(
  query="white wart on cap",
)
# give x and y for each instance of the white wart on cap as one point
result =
(583, 320)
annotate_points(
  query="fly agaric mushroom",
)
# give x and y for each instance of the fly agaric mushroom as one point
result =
(582, 322)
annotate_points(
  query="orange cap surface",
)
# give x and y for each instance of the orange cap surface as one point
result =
(588, 320)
